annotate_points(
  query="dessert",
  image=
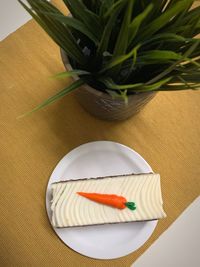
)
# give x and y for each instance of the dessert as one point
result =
(114, 199)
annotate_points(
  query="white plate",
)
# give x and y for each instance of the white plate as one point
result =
(96, 159)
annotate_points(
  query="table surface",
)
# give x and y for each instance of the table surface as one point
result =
(171, 121)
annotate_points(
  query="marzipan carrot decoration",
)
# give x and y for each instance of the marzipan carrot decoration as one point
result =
(115, 201)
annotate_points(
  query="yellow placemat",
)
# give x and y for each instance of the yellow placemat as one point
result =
(166, 133)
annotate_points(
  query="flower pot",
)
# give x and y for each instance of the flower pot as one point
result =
(102, 105)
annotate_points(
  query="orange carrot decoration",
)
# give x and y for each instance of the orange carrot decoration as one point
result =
(115, 201)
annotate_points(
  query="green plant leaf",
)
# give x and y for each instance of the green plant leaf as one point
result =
(94, 5)
(156, 86)
(137, 21)
(190, 78)
(179, 20)
(122, 40)
(138, 87)
(70, 73)
(158, 7)
(60, 34)
(75, 24)
(57, 96)
(103, 46)
(121, 45)
(166, 37)
(112, 85)
(120, 59)
(108, 8)
(164, 18)
(90, 19)
(159, 55)
(180, 87)
(173, 66)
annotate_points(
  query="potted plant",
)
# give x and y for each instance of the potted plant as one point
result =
(121, 52)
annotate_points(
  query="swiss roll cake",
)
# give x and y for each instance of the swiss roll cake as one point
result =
(102, 200)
